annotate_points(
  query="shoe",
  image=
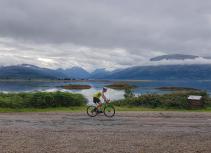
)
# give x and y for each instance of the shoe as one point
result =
(99, 111)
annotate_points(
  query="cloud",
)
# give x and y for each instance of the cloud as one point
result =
(94, 34)
(199, 60)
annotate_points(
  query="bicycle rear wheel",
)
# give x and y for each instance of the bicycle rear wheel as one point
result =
(91, 111)
(109, 111)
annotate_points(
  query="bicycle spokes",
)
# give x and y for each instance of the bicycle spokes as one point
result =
(91, 111)
(109, 111)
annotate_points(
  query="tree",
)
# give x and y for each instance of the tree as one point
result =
(128, 93)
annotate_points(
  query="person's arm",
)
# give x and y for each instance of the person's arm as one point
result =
(104, 97)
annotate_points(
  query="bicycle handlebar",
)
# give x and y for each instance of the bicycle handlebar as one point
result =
(107, 100)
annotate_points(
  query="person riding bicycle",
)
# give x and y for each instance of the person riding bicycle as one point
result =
(96, 98)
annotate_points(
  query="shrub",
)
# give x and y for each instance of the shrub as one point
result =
(208, 102)
(173, 100)
(150, 100)
(11, 101)
(128, 93)
(41, 100)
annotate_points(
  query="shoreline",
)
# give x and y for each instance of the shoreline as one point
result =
(94, 80)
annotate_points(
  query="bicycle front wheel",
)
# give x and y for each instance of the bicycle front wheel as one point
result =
(91, 111)
(109, 111)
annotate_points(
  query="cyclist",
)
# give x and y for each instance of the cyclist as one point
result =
(96, 98)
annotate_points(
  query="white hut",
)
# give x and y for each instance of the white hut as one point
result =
(195, 101)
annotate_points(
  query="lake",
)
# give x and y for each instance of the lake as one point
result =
(144, 87)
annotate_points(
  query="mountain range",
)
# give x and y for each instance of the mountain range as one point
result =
(74, 72)
(174, 57)
(159, 72)
(163, 72)
(26, 71)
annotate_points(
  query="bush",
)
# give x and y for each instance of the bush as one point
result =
(41, 100)
(149, 100)
(208, 102)
(128, 93)
(173, 100)
(10, 101)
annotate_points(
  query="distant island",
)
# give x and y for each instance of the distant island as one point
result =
(119, 86)
(76, 86)
(178, 89)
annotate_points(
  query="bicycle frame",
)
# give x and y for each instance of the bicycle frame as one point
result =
(106, 108)
(105, 104)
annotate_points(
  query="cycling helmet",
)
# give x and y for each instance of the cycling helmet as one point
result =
(105, 89)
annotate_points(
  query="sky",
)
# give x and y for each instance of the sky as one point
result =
(107, 34)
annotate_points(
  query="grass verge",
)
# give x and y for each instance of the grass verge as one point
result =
(57, 109)
(83, 109)
(144, 109)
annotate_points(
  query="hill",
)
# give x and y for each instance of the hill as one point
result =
(75, 72)
(99, 73)
(26, 71)
(162, 72)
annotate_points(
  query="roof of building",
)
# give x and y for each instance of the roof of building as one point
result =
(193, 97)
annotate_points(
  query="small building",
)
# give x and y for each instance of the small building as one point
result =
(195, 101)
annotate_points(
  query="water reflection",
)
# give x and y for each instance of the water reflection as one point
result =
(88, 93)
(143, 87)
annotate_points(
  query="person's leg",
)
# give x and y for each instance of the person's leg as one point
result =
(99, 105)
(97, 102)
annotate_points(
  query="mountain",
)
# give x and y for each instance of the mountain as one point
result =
(173, 57)
(163, 72)
(26, 71)
(99, 73)
(75, 72)
(160, 72)
(208, 57)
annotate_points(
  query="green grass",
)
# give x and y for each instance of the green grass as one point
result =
(58, 109)
(83, 109)
(144, 109)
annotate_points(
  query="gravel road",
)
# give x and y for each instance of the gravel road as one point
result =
(127, 132)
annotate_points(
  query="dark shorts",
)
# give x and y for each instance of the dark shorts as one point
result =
(96, 100)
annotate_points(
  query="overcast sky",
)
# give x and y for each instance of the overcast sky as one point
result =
(102, 33)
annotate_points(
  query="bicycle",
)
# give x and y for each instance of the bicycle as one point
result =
(107, 109)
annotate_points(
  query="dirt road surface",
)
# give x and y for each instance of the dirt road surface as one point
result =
(127, 132)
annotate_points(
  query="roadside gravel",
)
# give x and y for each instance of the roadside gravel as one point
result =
(127, 132)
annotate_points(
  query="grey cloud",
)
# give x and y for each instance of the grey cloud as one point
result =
(140, 29)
